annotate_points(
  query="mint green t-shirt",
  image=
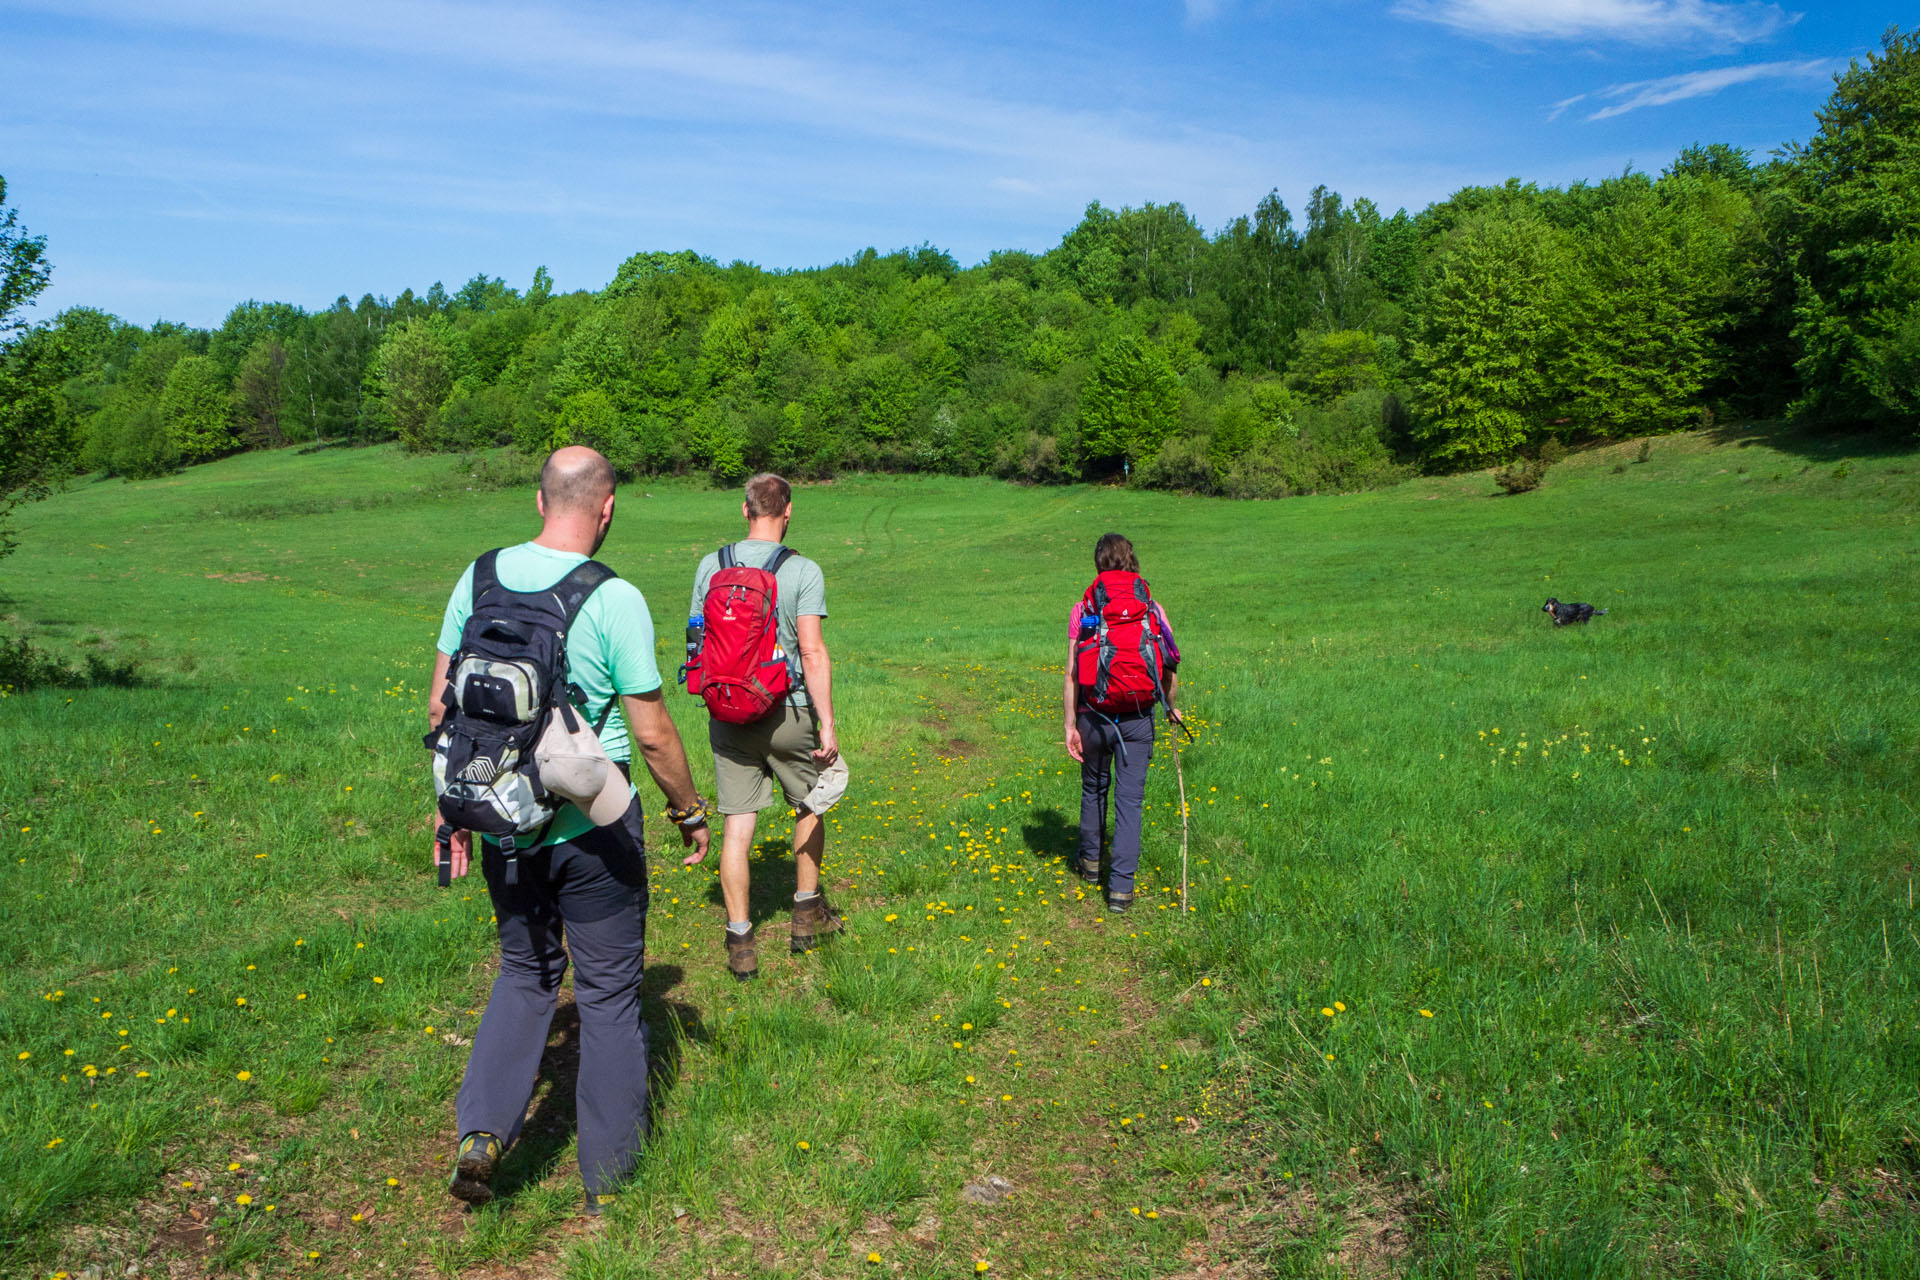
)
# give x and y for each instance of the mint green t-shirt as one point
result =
(609, 651)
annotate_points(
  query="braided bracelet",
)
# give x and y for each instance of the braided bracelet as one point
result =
(694, 815)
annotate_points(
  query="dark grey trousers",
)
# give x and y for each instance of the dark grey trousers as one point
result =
(1109, 748)
(591, 893)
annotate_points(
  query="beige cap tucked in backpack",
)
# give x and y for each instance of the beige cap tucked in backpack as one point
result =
(574, 766)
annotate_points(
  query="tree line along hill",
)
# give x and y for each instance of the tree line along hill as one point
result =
(1265, 360)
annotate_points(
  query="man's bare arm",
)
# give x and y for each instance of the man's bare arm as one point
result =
(460, 849)
(436, 710)
(818, 668)
(658, 738)
(665, 756)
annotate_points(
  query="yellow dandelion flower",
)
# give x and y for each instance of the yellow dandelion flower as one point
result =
(1340, 1007)
(980, 1268)
(393, 1182)
(1327, 1012)
(1426, 1013)
(243, 1075)
(873, 1257)
(804, 1145)
(379, 982)
(243, 1199)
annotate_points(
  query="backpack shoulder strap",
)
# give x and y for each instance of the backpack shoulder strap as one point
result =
(727, 559)
(779, 557)
(581, 582)
(485, 576)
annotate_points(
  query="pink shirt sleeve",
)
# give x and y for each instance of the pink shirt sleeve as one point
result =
(1073, 619)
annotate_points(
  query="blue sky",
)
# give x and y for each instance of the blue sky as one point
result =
(183, 156)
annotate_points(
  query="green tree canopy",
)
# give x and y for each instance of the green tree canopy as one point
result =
(1131, 403)
(1855, 188)
(1486, 337)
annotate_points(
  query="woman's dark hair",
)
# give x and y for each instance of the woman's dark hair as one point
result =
(1114, 553)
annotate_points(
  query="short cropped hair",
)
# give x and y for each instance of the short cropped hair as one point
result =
(767, 495)
(1113, 553)
(580, 481)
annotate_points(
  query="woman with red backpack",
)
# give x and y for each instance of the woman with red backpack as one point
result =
(1121, 660)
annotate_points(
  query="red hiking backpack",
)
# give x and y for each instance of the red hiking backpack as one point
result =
(738, 667)
(1120, 654)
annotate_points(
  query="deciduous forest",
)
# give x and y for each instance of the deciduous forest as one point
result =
(1278, 355)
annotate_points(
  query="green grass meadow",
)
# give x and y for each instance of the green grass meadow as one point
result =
(1514, 951)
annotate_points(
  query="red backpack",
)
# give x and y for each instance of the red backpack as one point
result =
(739, 667)
(1119, 655)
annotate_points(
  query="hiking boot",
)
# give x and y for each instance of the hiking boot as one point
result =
(1119, 902)
(743, 955)
(473, 1168)
(812, 919)
(1090, 871)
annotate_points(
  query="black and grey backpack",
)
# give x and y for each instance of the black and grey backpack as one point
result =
(510, 672)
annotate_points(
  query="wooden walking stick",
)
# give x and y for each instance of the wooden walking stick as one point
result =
(1180, 775)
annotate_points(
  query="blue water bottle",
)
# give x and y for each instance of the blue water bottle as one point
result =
(696, 636)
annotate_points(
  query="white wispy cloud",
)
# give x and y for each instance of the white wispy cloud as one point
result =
(1632, 21)
(673, 69)
(1560, 107)
(1695, 84)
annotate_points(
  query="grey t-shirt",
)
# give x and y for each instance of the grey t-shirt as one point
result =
(803, 590)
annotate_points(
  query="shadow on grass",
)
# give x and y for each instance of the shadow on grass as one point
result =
(1051, 836)
(549, 1129)
(1814, 444)
(770, 882)
(24, 665)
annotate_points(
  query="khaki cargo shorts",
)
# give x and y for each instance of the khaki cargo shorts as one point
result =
(747, 758)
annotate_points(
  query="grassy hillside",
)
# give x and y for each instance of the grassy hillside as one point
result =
(1589, 952)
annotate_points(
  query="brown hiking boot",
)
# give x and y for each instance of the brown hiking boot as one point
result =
(812, 919)
(743, 956)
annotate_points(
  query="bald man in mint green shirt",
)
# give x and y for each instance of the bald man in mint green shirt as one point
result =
(580, 897)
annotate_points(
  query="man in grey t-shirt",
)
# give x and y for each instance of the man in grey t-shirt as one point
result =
(789, 745)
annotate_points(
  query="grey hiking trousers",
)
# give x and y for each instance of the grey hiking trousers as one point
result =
(1113, 758)
(591, 892)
